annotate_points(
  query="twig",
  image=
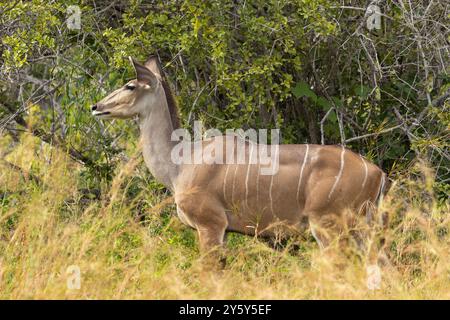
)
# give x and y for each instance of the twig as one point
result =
(322, 138)
(374, 134)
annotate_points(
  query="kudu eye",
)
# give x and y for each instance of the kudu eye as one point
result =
(130, 87)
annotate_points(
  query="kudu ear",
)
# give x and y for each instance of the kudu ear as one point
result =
(143, 74)
(154, 65)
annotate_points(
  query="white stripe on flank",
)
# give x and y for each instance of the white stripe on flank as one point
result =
(234, 182)
(270, 193)
(301, 170)
(248, 173)
(225, 183)
(338, 177)
(365, 170)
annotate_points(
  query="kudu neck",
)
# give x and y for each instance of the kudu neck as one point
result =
(156, 130)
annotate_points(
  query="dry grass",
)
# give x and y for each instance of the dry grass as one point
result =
(48, 225)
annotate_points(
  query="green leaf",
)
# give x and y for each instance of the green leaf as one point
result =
(362, 91)
(337, 101)
(302, 89)
(324, 103)
(332, 118)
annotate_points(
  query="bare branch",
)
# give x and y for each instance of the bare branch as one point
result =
(368, 135)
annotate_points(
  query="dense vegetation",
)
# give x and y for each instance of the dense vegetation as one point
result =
(73, 189)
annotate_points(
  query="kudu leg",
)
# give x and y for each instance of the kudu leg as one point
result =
(325, 231)
(346, 233)
(210, 221)
(378, 246)
(211, 239)
(338, 236)
(211, 228)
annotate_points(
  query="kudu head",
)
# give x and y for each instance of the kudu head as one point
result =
(135, 98)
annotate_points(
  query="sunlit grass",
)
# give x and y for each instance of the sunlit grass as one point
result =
(127, 245)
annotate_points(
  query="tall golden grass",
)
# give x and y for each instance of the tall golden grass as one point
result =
(131, 247)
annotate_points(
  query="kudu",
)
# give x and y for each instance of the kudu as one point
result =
(315, 185)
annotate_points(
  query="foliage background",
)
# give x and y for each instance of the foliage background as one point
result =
(308, 67)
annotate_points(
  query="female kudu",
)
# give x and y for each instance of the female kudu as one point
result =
(314, 185)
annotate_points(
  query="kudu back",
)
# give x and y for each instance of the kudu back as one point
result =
(314, 185)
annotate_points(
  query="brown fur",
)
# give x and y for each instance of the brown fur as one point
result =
(315, 185)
